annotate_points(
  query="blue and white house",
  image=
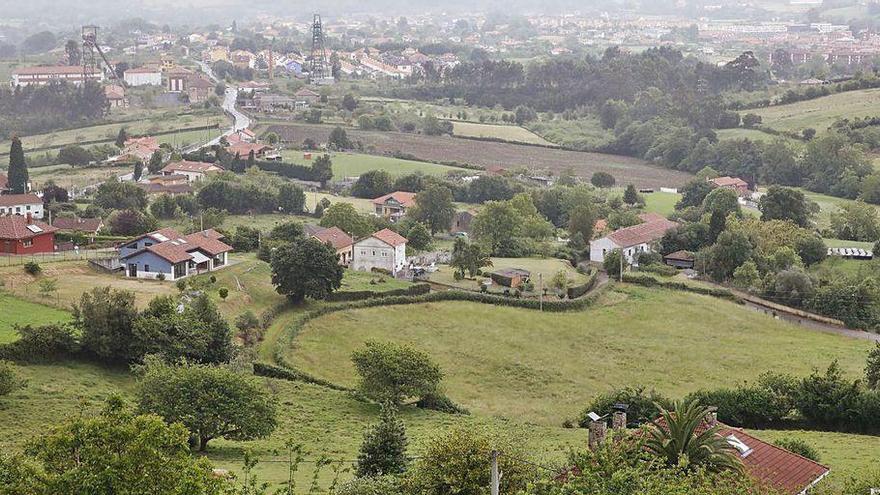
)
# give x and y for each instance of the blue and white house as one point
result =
(167, 254)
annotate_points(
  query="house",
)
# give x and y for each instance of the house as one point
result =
(680, 259)
(243, 149)
(21, 204)
(339, 240)
(23, 235)
(39, 76)
(243, 58)
(270, 103)
(88, 227)
(143, 76)
(168, 255)
(394, 205)
(138, 149)
(510, 277)
(739, 186)
(115, 95)
(384, 250)
(198, 88)
(176, 80)
(194, 171)
(306, 96)
(632, 240)
(461, 222)
(155, 189)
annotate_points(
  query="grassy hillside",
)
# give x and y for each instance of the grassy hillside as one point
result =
(355, 164)
(15, 311)
(820, 113)
(543, 368)
(512, 133)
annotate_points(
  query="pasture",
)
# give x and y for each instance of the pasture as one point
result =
(448, 149)
(582, 134)
(820, 113)
(542, 368)
(355, 164)
(15, 311)
(538, 268)
(510, 133)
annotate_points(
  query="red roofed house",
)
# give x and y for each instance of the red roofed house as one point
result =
(138, 149)
(21, 204)
(394, 205)
(385, 250)
(194, 171)
(115, 95)
(339, 240)
(735, 184)
(86, 226)
(243, 149)
(632, 240)
(168, 255)
(24, 235)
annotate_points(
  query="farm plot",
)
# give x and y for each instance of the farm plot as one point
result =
(820, 113)
(510, 133)
(446, 149)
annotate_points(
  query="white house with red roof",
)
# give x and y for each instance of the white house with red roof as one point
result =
(385, 250)
(21, 204)
(167, 254)
(194, 171)
(632, 240)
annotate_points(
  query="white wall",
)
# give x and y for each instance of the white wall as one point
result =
(372, 253)
(36, 210)
(143, 79)
(600, 247)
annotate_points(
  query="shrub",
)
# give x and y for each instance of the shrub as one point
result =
(32, 268)
(440, 402)
(41, 343)
(181, 284)
(799, 447)
(9, 381)
(393, 372)
(223, 292)
(642, 404)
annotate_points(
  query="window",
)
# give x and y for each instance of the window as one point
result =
(374, 253)
(385, 253)
(28, 207)
(147, 244)
(146, 268)
(27, 243)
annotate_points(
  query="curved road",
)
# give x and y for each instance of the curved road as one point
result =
(239, 120)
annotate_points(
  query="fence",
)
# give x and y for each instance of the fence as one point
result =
(72, 255)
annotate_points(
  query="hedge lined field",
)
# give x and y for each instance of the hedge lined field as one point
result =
(511, 133)
(819, 113)
(15, 311)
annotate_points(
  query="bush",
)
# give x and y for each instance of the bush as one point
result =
(394, 372)
(440, 402)
(642, 404)
(758, 406)
(413, 290)
(9, 381)
(41, 343)
(223, 292)
(799, 447)
(32, 268)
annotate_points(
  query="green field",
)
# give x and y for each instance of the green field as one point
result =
(582, 134)
(660, 202)
(543, 368)
(15, 311)
(546, 267)
(512, 133)
(752, 134)
(820, 113)
(355, 164)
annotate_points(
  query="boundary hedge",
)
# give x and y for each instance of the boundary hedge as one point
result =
(649, 281)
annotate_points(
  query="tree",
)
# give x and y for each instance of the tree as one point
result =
(339, 139)
(349, 102)
(872, 367)
(434, 208)
(121, 138)
(138, 170)
(602, 179)
(155, 164)
(582, 221)
(53, 193)
(856, 221)
(676, 438)
(394, 372)
(496, 224)
(106, 317)
(73, 52)
(731, 250)
(418, 237)
(372, 184)
(383, 450)
(305, 268)
(75, 156)
(291, 198)
(210, 401)
(693, 193)
(746, 277)
(785, 203)
(17, 173)
(9, 381)
(110, 453)
(630, 195)
(322, 170)
(751, 120)
(288, 232)
(347, 218)
(613, 263)
(468, 257)
(131, 223)
(115, 195)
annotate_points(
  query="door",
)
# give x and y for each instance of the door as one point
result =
(132, 270)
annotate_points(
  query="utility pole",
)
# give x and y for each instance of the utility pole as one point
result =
(496, 478)
(620, 276)
(541, 291)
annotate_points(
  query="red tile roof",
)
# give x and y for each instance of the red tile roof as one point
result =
(642, 233)
(20, 199)
(407, 199)
(79, 224)
(243, 149)
(681, 255)
(729, 181)
(15, 227)
(188, 166)
(335, 236)
(178, 248)
(390, 237)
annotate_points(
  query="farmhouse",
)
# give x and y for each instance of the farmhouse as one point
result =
(39, 76)
(739, 186)
(339, 240)
(394, 205)
(243, 149)
(168, 255)
(632, 240)
(21, 204)
(115, 95)
(24, 235)
(194, 171)
(143, 76)
(385, 250)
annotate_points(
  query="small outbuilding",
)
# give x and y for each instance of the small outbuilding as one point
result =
(680, 259)
(511, 277)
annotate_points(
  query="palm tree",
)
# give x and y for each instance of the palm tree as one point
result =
(677, 438)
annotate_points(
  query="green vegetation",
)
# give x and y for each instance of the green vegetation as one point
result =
(546, 267)
(355, 164)
(511, 133)
(20, 312)
(820, 113)
(542, 368)
(660, 202)
(581, 134)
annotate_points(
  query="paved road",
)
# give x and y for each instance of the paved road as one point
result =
(239, 120)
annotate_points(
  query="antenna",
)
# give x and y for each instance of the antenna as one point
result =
(318, 70)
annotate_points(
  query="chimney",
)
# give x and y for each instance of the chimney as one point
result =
(29, 218)
(597, 433)
(712, 416)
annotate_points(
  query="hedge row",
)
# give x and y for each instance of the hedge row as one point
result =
(272, 371)
(579, 290)
(359, 295)
(289, 170)
(649, 281)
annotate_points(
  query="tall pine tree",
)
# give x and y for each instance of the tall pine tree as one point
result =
(384, 448)
(18, 172)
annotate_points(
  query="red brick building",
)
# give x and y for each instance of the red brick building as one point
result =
(23, 235)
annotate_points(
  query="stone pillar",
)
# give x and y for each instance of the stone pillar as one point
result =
(597, 434)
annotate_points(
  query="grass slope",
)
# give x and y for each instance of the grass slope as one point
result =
(355, 164)
(15, 311)
(543, 368)
(511, 133)
(820, 113)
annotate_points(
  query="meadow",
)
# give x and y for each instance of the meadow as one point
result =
(543, 368)
(539, 267)
(584, 134)
(820, 113)
(510, 133)
(14, 311)
(355, 164)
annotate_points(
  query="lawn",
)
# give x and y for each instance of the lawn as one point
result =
(546, 267)
(70, 177)
(820, 113)
(16, 311)
(543, 368)
(355, 164)
(511, 133)
(354, 281)
(661, 202)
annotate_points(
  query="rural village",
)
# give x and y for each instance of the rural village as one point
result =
(623, 248)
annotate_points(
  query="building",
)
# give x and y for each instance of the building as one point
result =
(115, 95)
(157, 188)
(198, 88)
(194, 171)
(394, 205)
(243, 149)
(38, 76)
(305, 96)
(176, 80)
(24, 235)
(632, 240)
(510, 277)
(338, 240)
(166, 254)
(384, 250)
(88, 227)
(680, 259)
(739, 186)
(138, 149)
(143, 76)
(21, 204)
(461, 222)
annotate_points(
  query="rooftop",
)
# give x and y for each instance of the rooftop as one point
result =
(406, 199)
(390, 237)
(20, 199)
(17, 227)
(334, 236)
